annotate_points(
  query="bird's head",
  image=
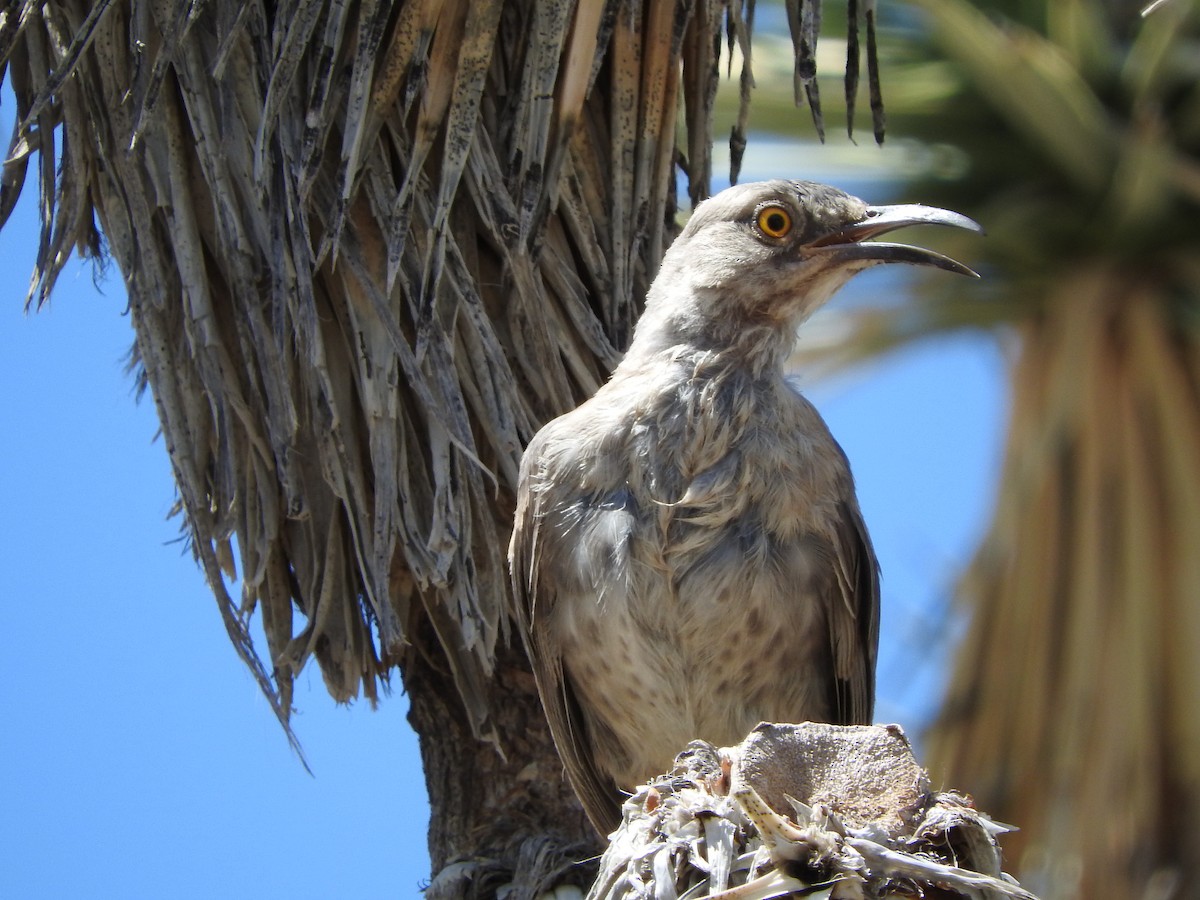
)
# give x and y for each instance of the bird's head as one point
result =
(770, 253)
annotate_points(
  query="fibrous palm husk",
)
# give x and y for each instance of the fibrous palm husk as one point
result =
(369, 247)
(812, 810)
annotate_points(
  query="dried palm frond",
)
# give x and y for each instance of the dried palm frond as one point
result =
(1097, 715)
(369, 248)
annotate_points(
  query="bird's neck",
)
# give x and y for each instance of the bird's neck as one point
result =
(754, 347)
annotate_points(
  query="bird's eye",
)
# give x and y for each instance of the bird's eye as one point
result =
(774, 221)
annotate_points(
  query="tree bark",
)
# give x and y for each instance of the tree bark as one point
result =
(501, 813)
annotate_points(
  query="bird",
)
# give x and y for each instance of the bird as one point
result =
(688, 556)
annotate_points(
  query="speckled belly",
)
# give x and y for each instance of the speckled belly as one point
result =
(684, 632)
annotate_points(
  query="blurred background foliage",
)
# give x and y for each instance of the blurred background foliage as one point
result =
(1071, 130)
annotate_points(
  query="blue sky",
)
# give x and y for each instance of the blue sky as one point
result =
(138, 758)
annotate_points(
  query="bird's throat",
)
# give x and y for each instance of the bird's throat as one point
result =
(753, 344)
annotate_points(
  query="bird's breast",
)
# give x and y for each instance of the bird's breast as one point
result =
(689, 599)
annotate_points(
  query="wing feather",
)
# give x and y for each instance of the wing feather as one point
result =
(854, 619)
(535, 594)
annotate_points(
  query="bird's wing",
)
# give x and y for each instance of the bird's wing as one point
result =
(535, 594)
(854, 619)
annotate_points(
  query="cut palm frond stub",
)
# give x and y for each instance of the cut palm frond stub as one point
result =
(861, 823)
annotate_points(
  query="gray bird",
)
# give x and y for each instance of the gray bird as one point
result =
(689, 557)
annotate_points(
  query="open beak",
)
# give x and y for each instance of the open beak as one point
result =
(850, 242)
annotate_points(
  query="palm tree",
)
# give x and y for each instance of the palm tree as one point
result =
(1072, 706)
(369, 248)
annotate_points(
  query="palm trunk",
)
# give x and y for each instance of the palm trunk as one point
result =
(495, 819)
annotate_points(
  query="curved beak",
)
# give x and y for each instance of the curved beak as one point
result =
(849, 242)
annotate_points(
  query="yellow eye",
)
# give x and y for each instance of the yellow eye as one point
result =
(774, 221)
